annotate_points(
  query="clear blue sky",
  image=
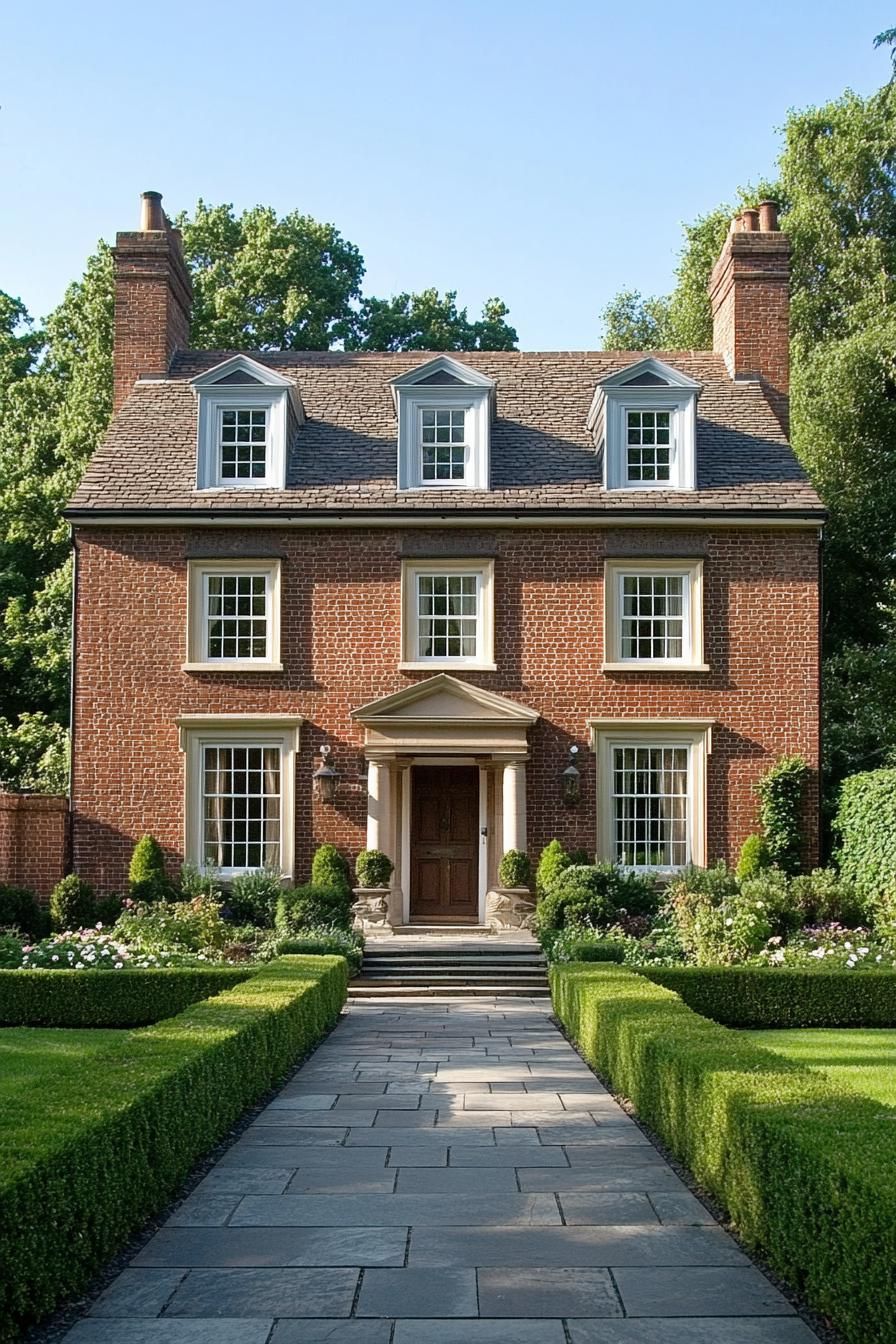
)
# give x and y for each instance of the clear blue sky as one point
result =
(545, 152)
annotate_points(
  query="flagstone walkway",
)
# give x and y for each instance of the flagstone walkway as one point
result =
(442, 1172)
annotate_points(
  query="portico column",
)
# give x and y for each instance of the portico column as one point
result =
(514, 811)
(379, 806)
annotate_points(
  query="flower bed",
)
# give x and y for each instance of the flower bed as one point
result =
(807, 1170)
(87, 1157)
(130, 998)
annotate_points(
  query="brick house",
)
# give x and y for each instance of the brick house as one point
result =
(495, 598)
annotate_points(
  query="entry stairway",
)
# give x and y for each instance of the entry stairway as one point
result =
(434, 961)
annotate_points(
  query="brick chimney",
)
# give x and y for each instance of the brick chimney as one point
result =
(749, 290)
(153, 297)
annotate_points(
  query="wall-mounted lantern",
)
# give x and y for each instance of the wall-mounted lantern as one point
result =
(325, 777)
(571, 780)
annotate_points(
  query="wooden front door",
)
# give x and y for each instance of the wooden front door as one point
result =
(445, 843)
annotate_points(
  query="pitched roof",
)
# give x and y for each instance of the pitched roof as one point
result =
(343, 458)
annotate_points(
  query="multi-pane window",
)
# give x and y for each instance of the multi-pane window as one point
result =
(648, 445)
(244, 444)
(237, 616)
(447, 615)
(653, 616)
(241, 807)
(443, 447)
(650, 806)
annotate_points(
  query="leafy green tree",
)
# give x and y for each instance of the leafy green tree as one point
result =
(264, 283)
(429, 321)
(633, 322)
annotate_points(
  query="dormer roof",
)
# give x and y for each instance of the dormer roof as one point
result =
(442, 371)
(243, 371)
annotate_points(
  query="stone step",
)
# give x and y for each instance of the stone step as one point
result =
(363, 988)
(454, 959)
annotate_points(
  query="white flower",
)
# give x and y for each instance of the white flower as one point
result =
(54, 958)
(878, 957)
(848, 946)
(79, 965)
(728, 923)
(863, 951)
(118, 965)
(819, 952)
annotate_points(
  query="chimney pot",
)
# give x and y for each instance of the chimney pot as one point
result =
(751, 221)
(152, 216)
(768, 216)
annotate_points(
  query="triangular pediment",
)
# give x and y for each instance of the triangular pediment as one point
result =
(240, 369)
(650, 372)
(444, 699)
(445, 371)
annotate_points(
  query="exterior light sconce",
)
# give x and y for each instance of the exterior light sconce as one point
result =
(325, 777)
(571, 780)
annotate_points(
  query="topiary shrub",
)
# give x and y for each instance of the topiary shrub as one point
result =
(253, 897)
(307, 907)
(72, 904)
(515, 869)
(594, 896)
(754, 856)
(329, 869)
(147, 880)
(19, 909)
(781, 791)
(373, 868)
(553, 861)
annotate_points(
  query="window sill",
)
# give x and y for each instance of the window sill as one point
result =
(237, 665)
(657, 665)
(440, 664)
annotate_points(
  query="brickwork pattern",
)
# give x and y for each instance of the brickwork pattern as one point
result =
(341, 641)
(152, 306)
(750, 295)
(33, 840)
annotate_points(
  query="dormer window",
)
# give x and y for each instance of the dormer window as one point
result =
(644, 419)
(443, 444)
(444, 414)
(243, 443)
(245, 415)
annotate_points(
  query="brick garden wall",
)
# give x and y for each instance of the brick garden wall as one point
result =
(33, 840)
(340, 646)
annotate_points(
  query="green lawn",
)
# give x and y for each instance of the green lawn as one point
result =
(31, 1058)
(863, 1059)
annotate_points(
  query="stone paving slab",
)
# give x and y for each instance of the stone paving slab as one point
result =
(442, 1172)
(693, 1330)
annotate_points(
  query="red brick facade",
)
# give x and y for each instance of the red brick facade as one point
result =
(341, 648)
(33, 841)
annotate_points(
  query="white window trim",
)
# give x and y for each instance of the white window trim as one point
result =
(484, 570)
(617, 569)
(198, 731)
(197, 573)
(476, 402)
(695, 735)
(238, 397)
(681, 405)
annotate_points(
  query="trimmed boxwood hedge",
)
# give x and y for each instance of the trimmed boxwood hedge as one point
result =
(108, 998)
(762, 996)
(806, 1170)
(117, 1142)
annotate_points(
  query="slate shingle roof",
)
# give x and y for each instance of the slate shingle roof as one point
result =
(542, 454)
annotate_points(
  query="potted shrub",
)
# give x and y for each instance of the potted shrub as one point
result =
(373, 870)
(510, 905)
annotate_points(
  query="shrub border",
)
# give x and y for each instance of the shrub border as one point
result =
(806, 1169)
(782, 996)
(109, 998)
(139, 1117)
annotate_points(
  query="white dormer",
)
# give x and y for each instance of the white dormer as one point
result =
(444, 412)
(245, 410)
(645, 420)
